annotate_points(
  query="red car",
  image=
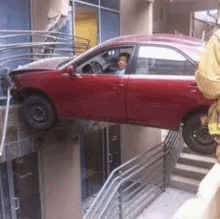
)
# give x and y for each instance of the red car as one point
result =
(157, 89)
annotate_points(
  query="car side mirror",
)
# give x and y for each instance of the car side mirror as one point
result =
(70, 70)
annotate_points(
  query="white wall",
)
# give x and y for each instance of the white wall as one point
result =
(206, 203)
(61, 180)
(137, 139)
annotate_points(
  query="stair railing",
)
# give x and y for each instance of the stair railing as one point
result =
(134, 185)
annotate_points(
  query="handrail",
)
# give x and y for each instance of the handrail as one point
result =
(135, 184)
(5, 121)
(114, 180)
(50, 41)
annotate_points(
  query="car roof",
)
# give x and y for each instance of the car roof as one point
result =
(157, 38)
(187, 44)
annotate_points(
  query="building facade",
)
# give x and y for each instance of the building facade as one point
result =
(55, 174)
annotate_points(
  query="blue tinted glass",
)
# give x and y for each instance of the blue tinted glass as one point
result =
(110, 25)
(114, 4)
(14, 15)
(91, 1)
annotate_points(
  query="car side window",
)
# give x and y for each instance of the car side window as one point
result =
(154, 60)
(106, 62)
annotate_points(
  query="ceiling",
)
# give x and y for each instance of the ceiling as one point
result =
(186, 6)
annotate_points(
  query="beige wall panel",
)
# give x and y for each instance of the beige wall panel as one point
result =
(61, 181)
(159, 16)
(137, 139)
(40, 10)
(136, 17)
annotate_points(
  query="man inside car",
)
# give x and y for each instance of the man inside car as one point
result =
(122, 63)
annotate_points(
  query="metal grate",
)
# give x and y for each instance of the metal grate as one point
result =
(137, 183)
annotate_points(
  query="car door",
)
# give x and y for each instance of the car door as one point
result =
(93, 91)
(161, 88)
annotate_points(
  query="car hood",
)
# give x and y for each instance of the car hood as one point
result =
(42, 65)
(47, 63)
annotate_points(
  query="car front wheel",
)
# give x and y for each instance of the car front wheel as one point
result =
(38, 112)
(196, 135)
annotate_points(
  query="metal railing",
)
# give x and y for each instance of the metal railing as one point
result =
(173, 145)
(134, 185)
(46, 42)
(21, 47)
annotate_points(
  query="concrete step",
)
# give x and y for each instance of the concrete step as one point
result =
(196, 160)
(187, 150)
(184, 183)
(189, 171)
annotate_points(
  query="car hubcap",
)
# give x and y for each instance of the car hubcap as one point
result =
(39, 112)
(202, 136)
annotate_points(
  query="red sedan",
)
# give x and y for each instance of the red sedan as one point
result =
(156, 89)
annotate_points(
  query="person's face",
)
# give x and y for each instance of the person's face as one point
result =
(122, 62)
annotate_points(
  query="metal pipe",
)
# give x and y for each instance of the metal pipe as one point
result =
(147, 201)
(123, 174)
(105, 203)
(120, 197)
(142, 177)
(5, 121)
(125, 179)
(113, 173)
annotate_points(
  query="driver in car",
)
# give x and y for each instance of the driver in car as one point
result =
(122, 63)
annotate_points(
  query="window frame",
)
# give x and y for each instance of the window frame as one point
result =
(99, 7)
(161, 46)
(102, 50)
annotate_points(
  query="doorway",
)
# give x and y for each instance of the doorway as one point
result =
(100, 154)
(19, 188)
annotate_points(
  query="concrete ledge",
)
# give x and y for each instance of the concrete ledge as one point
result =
(206, 203)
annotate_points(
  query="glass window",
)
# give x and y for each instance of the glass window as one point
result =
(92, 166)
(106, 62)
(87, 23)
(114, 4)
(162, 61)
(91, 1)
(110, 25)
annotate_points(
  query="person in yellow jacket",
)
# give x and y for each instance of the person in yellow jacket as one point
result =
(208, 80)
(208, 74)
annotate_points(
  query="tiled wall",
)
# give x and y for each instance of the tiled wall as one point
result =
(22, 140)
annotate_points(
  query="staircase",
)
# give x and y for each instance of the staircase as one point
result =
(190, 169)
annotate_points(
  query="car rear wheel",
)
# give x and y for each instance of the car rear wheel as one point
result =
(38, 112)
(196, 135)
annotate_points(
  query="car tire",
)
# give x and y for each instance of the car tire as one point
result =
(38, 112)
(196, 136)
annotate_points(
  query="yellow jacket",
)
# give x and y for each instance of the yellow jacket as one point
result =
(208, 73)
